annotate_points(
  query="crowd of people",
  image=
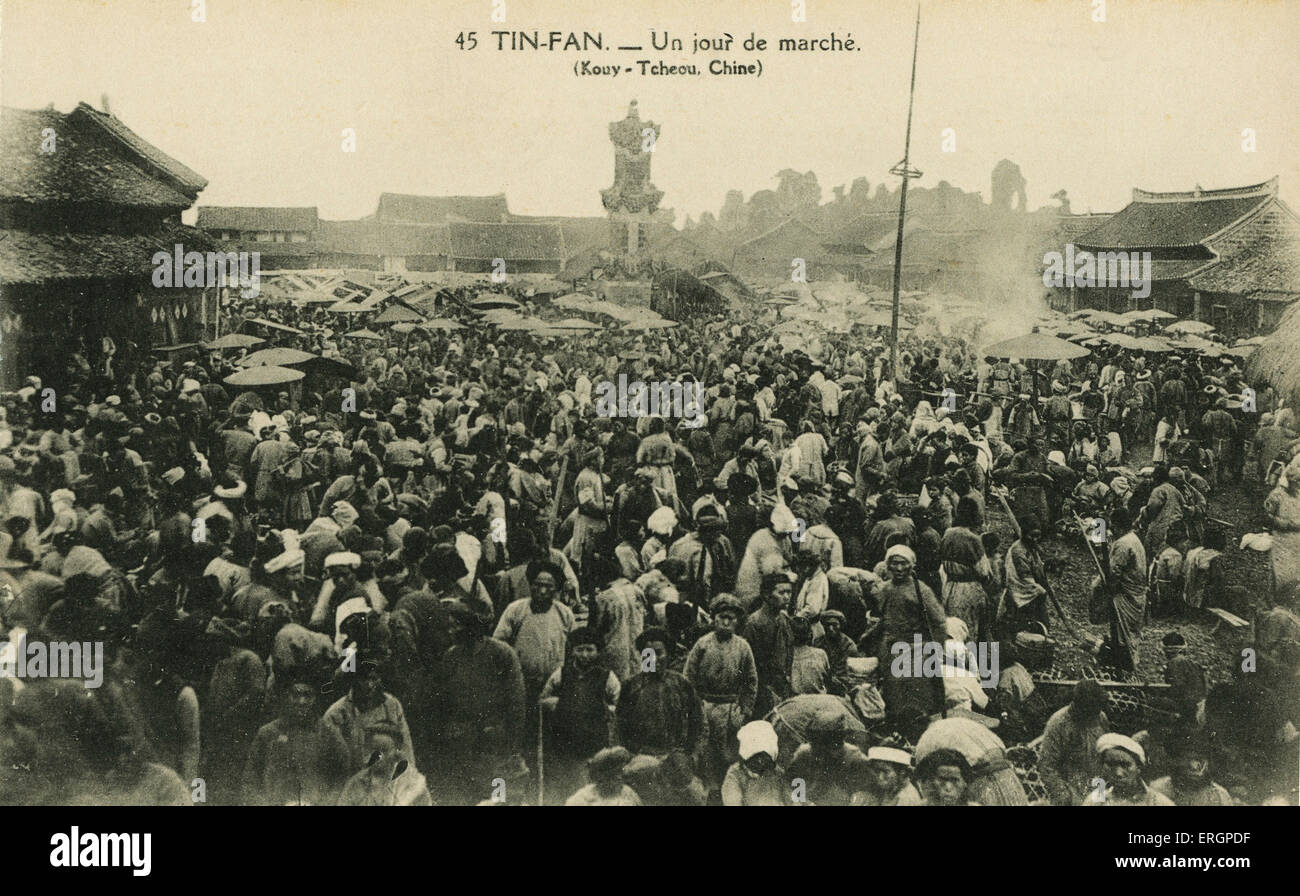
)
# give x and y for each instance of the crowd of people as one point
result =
(450, 579)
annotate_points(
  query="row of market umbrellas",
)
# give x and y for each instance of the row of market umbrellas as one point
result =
(1046, 347)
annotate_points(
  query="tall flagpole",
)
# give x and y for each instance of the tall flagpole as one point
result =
(906, 172)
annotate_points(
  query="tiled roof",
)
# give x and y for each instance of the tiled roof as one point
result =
(1266, 263)
(862, 232)
(1074, 225)
(28, 257)
(253, 218)
(925, 247)
(518, 242)
(378, 238)
(1155, 220)
(271, 249)
(187, 180)
(1177, 268)
(402, 208)
(93, 161)
(791, 224)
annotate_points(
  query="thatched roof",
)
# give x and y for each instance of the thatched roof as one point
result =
(1277, 360)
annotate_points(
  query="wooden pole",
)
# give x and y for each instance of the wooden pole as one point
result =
(903, 170)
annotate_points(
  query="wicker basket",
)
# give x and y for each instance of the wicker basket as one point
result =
(1035, 649)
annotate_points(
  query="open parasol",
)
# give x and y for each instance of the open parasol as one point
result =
(575, 323)
(272, 325)
(649, 324)
(396, 314)
(1190, 326)
(1148, 314)
(316, 298)
(521, 323)
(233, 340)
(276, 356)
(487, 300)
(264, 375)
(1035, 347)
(364, 334)
(1154, 344)
(441, 323)
(575, 301)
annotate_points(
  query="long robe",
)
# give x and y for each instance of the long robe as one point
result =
(618, 615)
(766, 552)
(1165, 507)
(965, 570)
(1128, 579)
(903, 616)
(1284, 510)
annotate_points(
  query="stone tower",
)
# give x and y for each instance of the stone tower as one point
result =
(1008, 184)
(633, 199)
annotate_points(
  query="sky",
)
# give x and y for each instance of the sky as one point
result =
(256, 97)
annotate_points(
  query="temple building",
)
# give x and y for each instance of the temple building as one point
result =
(85, 204)
(1228, 257)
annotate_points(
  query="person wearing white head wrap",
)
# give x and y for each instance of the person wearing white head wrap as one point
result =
(909, 610)
(285, 560)
(63, 504)
(887, 782)
(756, 780)
(341, 585)
(344, 514)
(1123, 761)
(661, 525)
(961, 669)
(769, 549)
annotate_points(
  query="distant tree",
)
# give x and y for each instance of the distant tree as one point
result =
(797, 191)
(1061, 197)
(860, 193)
(765, 210)
(733, 214)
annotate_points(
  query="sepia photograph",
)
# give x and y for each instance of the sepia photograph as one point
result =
(784, 403)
